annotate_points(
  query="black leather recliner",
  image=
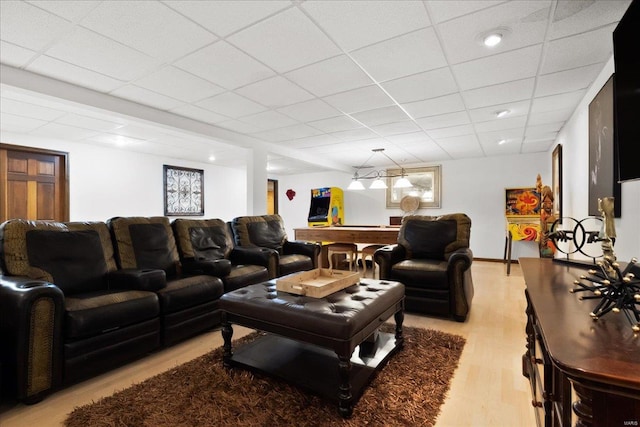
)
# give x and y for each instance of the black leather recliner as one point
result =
(202, 243)
(65, 311)
(267, 231)
(433, 260)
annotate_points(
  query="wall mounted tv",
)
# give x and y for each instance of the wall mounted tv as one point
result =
(626, 57)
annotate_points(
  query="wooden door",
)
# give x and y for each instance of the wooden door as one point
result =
(272, 196)
(33, 184)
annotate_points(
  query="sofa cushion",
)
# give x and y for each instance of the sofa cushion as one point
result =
(428, 239)
(14, 259)
(74, 259)
(294, 263)
(180, 294)
(243, 275)
(145, 242)
(97, 312)
(203, 238)
(265, 231)
(421, 273)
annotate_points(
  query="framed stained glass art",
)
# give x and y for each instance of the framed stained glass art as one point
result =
(183, 191)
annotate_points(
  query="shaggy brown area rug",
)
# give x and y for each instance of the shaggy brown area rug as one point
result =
(408, 391)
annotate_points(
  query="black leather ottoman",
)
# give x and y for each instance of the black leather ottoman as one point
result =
(306, 334)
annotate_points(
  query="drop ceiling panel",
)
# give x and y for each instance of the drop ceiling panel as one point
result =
(549, 117)
(444, 120)
(184, 86)
(13, 55)
(361, 99)
(59, 131)
(231, 105)
(330, 76)
(514, 109)
(380, 116)
(335, 124)
(573, 17)
(557, 102)
(402, 56)
(501, 124)
(435, 106)
(197, 113)
(285, 41)
(275, 92)
(499, 94)
(429, 84)
(19, 124)
(147, 97)
(64, 71)
(26, 109)
(310, 110)
(396, 128)
(30, 27)
(450, 131)
(225, 66)
(89, 123)
(567, 81)
(269, 120)
(580, 50)
(443, 10)
(354, 24)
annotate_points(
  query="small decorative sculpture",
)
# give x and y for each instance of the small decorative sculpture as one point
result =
(547, 218)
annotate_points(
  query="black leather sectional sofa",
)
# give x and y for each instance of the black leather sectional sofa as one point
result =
(79, 298)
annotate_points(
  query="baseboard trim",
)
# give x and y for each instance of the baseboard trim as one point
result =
(501, 261)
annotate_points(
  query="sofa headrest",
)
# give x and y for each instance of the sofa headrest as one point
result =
(145, 242)
(434, 237)
(208, 239)
(264, 231)
(44, 249)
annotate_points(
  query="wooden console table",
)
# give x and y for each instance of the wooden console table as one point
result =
(567, 351)
(383, 235)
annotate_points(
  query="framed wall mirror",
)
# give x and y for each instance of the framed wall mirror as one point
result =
(427, 185)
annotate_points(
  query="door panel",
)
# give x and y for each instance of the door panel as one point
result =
(33, 185)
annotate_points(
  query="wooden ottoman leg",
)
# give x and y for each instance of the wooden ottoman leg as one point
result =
(399, 318)
(344, 392)
(227, 333)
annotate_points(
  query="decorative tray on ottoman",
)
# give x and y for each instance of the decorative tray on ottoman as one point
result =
(317, 283)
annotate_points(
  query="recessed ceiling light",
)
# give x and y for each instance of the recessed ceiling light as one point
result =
(492, 39)
(212, 158)
(502, 141)
(500, 114)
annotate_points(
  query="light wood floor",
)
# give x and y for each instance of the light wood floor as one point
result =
(488, 388)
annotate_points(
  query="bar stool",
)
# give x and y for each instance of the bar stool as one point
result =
(348, 249)
(368, 251)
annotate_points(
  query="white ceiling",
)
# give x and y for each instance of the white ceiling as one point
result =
(303, 80)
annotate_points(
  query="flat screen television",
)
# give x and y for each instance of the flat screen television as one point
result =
(626, 58)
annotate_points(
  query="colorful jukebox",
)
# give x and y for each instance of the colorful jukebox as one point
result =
(327, 206)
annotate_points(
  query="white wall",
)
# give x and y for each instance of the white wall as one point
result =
(574, 138)
(106, 182)
(472, 186)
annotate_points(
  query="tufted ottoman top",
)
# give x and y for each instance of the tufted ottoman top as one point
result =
(339, 316)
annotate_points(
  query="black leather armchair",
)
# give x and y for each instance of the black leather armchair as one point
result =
(433, 260)
(267, 231)
(205, 243)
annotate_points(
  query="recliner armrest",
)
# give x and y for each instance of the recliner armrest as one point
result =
(214, 267)
(387, 256)
(138, 279)
(31, 315)
(462, 255)
(310, 249)
(253, 256)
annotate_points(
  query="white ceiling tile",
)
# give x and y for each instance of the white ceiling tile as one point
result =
(30, 27)
(313, 141)
(580, 50)
(525, 21)
(450, 131)
(402, 56)
(224, 65)
(71, 10)
(231, 105)
(184, 86)
(98, 53)
(146, 97)
(514, 109)
(335, 124)
(409, 138)
(354, 24)
(307, 111)
(354, 134)
(509, 148)
(535, 131)
(271, 41)
(550, 136)
(289, 133)
(14, 55)
(150, 27)
(421, 86)
(456, 143)
(90, 123)
(269, 120)
(567, 81)
(54, 130)
(239, 126)
(500, 68)
(70, 73)
(381, 116)
(509, 135)
(275, 92)
(549, 117)
(443, 10)
(197, 113)
(499, 94)
(361, 99)
(557, 102)
(225, 17)
(330, 76)
(537, 147)
(25, 109)
(573, 17)
(395, 128)
(444, 120)
(435, 106)
(501, 124)
(19, 124)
